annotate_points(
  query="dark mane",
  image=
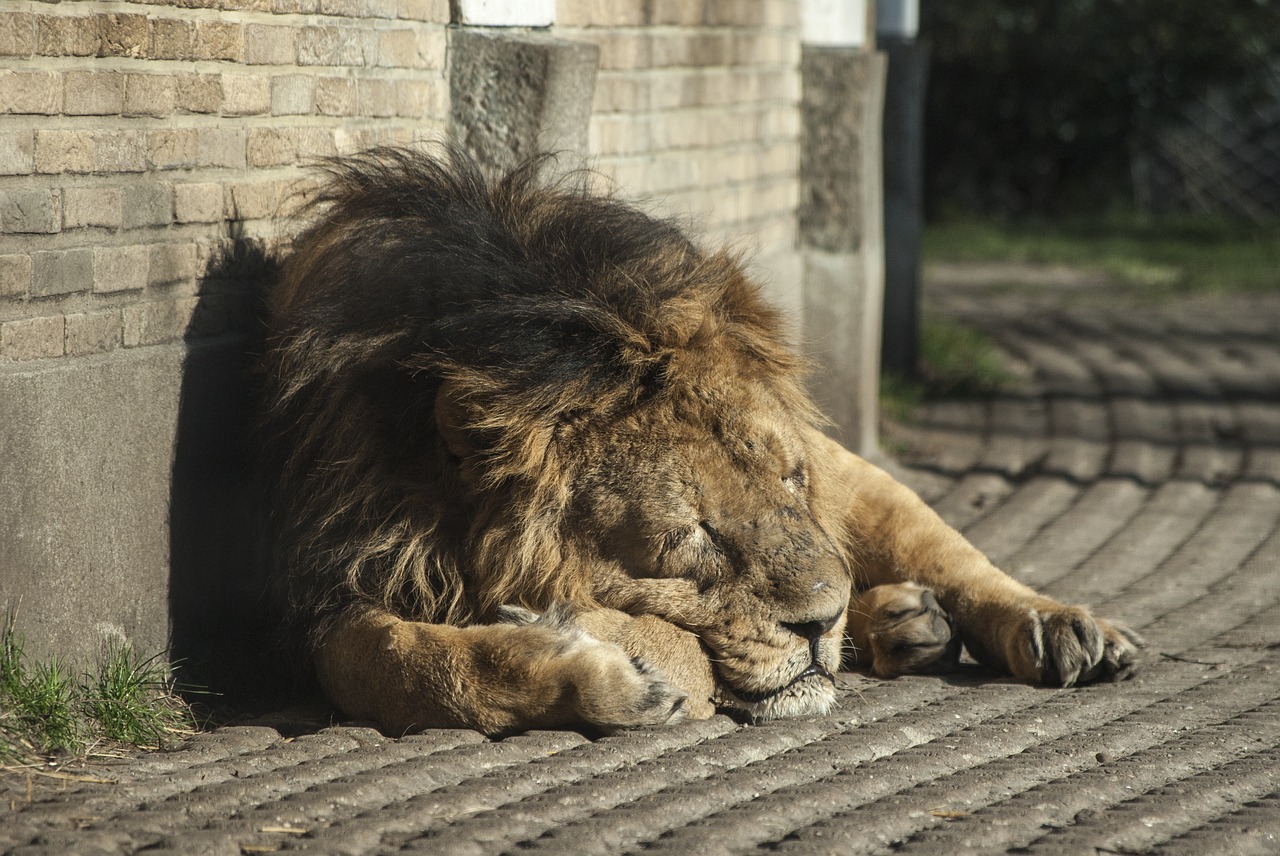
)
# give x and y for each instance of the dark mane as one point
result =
(532, 301)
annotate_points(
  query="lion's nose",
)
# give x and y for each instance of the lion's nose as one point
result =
(812, 629)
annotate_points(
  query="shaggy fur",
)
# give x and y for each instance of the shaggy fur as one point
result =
(486, 398)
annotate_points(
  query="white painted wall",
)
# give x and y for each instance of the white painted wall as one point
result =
(507, 13)
(834, 22)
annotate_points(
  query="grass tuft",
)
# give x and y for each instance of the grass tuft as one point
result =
(45, 709)
(955, 360)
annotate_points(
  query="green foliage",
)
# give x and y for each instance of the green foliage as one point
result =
(1151, 257)
(1036, 105)
(955, 360)
(44, 708)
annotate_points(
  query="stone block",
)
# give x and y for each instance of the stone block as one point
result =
(30, 212)
(219, 40)
(31, 339)
(17, 152)
(199, 93)
(123, 35)
(120, 268)
(93, 93)
(221, 147)
(251, 200)
(335, 96)
(61, 272)
(118, 470)
(64, 35)
(330, 45)
(271, 147)
(266, 44)
(157, 321)
(199, 202)
(172, 149)
(172, 264)
(17, 34)
(149, 94)
(512, 95)
(119, 151)
(293, 94)
(375, 97)
(15, 275)
(64, 152)
(92, 333)
(173, 38)
(35, 92)
(148, 203)
(245, 95)
(84, 207)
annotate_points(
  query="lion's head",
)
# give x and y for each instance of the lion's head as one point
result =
(524, 394)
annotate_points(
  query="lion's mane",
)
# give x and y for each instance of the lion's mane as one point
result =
(542, 307)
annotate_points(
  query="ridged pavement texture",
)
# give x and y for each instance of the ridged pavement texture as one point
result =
(1137, 469)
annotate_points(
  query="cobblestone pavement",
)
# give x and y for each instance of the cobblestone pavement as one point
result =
(1137, 468)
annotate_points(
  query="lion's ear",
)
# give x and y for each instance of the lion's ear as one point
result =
(451, 421)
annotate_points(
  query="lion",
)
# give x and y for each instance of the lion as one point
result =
(537, 460)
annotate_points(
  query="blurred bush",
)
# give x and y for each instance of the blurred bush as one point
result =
(1038, 106)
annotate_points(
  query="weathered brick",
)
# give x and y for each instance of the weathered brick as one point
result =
(61, 272)
(344, 8)
(62, 35)
(64, 151)
(93, 93)
(32, 338)
(17, 34)
(433, 47)
(265, 44)
(251, 200)
(295, 6)
(38, 92)
(219, 40)
(292, 94)
(149, 94)
(157, 321)
(120, 268)
(92, 333)
(398, 49)
(171, 264)
(172, 149)
(123, 35)
(436, 11)
(15, 275)
(83, 207)
(30, 212)
(148, 204)
(173, 38)
(271, 147)
(199, 93)
(375, 98)
(339, 46)
(199, 202)
(119, 151)
(245, 95)
(315, 142)
(221, 147)
(335, 96)
(418, 99)
(17, 152)
(604, 13)
(381, 8)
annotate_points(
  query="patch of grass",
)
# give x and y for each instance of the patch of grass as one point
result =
(45, 709)
(1168, 255)
(955, 360)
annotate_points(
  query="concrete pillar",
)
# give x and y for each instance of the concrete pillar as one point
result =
(841, 233)
(515, 93)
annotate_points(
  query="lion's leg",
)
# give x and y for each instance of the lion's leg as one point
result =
(495, 678)
(1003, 623)
(900, 629)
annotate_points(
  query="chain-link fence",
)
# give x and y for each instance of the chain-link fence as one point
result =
(1224, 158)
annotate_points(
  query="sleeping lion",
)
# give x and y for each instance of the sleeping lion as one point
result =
(537, 460)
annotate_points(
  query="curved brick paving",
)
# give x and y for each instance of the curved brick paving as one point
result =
(1137, 467)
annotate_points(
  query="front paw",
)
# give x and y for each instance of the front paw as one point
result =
(605, 686)
(906, 631)
(1066, 645)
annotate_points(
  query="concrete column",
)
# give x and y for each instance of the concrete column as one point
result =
(515, 93)
(841, 233)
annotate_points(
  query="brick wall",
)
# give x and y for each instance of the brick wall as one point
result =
(133, 133)
(696, 108)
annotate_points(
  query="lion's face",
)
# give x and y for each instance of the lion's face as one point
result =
(698, 511)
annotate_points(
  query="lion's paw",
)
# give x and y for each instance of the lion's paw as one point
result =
(908, 632)
(608, 688)
(1066, 645)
